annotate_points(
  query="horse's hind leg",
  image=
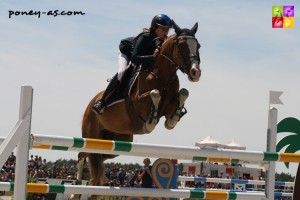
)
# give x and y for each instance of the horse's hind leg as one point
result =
(97, 176)
(80, 165)
(171, 122)
(153, 118)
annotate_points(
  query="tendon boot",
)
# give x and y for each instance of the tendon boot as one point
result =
(99, 106)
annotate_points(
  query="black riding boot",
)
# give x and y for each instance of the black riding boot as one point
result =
(100, 104)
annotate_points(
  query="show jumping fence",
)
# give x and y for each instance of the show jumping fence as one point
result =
(123, 191)
(21, 132)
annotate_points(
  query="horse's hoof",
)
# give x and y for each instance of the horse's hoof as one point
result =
(149, 128)
(170, 127)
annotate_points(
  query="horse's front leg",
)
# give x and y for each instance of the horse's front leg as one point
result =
(153, 118)
(171, 121)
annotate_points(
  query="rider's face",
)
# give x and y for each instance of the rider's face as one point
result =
(162, 32)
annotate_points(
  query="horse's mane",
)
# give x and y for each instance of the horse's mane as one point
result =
(170, 37)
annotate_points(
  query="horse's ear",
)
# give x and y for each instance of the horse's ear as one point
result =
(194, 29)
(176, 27)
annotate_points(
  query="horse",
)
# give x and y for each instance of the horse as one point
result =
(155, 93)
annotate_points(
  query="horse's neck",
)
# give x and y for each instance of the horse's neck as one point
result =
(165, 68)
(168, 47)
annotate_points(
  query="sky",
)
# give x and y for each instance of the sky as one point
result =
(67, 59)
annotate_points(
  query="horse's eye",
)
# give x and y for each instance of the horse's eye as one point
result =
(180, 44)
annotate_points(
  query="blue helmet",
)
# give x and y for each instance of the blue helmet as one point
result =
(161, 20)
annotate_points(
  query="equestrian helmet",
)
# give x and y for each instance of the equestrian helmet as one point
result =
(161, 20)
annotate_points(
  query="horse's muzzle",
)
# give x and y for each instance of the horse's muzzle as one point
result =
(195, 74)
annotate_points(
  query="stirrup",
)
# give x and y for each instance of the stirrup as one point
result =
(182, 112)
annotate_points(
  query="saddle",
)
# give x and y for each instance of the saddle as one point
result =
(122, 92)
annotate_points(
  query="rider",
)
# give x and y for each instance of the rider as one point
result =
(144, 52)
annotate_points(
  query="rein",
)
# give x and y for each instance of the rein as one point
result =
(167, 86)
(182, 65)
(171, 79)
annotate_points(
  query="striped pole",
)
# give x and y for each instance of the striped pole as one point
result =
(64, 148)
(124, 191)
(156, 150)
(276, 194)
(238, 181)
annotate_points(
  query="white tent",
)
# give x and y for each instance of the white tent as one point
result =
(234, 145)
(209, 142)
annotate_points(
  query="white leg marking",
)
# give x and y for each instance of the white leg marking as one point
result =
(171, 122)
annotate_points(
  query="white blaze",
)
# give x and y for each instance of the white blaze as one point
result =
(192, 44)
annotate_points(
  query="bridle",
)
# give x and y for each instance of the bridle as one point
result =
(182, 65)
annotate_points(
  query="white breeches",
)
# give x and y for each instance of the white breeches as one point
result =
(123, 65)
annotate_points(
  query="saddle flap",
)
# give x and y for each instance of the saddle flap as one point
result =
(124, 89)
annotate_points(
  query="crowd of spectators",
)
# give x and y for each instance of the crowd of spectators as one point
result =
(7, 173)
(39, 168)
(124, 177)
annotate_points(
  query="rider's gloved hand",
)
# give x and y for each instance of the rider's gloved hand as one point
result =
(156, 52)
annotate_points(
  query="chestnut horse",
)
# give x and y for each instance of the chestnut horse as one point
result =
(155, 93)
